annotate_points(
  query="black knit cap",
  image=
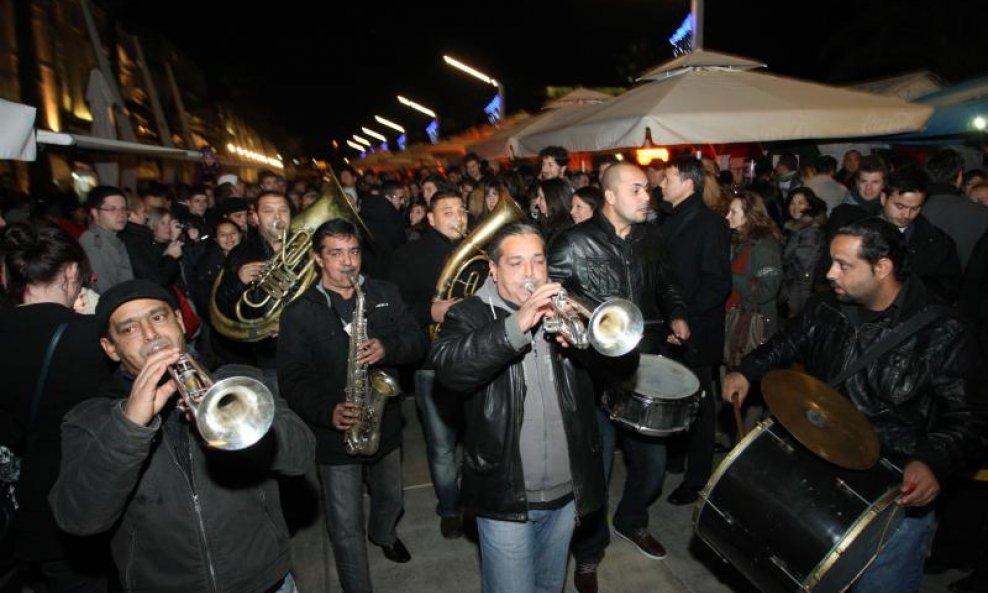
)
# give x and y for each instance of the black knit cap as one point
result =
(125, 292)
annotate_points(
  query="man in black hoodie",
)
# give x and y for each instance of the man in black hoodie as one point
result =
(184, 517)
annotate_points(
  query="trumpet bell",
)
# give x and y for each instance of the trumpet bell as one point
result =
(235, 413)
(616, 327)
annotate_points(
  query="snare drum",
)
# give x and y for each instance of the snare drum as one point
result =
(790, 521)
(660, 399)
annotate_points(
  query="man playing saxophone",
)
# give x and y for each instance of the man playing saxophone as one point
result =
(183, 517)
(313, 372)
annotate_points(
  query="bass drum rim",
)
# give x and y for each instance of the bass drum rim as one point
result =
(865, 519)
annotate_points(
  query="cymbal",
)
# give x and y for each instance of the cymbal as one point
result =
(824, 421)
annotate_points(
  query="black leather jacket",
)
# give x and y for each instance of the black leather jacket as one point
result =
(592, 261)
(473, 355)
(926, 398)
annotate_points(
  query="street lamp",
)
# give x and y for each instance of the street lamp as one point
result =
(355, 146)
(373, 134)
(480, 76)
(362, 140)
(417, 107)
(389, 123)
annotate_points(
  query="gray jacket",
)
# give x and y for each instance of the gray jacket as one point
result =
(107, 256)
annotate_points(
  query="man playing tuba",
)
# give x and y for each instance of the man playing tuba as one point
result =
(313, 369)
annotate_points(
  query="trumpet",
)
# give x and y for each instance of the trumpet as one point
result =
(230, 414)
(613, 328)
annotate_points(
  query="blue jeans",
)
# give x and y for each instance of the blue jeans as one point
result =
(526, 556)
(439, 414)
(287, 585)
(899, 567)
(343, 489)
(646, 460)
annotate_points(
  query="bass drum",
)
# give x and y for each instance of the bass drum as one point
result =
(660, 399)
(790, 521)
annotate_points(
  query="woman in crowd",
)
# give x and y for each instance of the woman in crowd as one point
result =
(551, 206)
(417, 221)
(805, 242)
(756, 258)
(585, 202)
(43, 272)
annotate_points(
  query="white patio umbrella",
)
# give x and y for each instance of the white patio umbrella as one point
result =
(706, 97)
(504, 143)
(17, 140)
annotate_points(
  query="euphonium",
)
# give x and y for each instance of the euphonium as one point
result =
(286, 275)
(613, 328)
(230, 414)
(455, 274)
(369, 392)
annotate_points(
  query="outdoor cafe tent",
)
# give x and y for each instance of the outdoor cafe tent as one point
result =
(17, 141)
(707, 97)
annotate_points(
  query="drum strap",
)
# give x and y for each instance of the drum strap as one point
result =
(890, 341)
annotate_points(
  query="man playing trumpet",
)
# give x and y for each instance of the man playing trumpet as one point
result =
(531, 462)
(184, 518)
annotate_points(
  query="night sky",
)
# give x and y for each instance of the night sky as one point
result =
(317, 71)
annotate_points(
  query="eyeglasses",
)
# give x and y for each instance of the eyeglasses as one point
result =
(115, 209)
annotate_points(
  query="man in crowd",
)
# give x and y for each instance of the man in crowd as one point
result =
(869, 185)
(925, 397)
(184, 518)
(699, 244)
(474, 168)
(107, 254)
(552, 162)
(615, 255)
(382, 213)
(946, 208)
(852, 159)
(932, 255)
(531, 455)
(244, 265)
(415, 269)
(787, 173)
(315, 375)
(348, 181)
(823, 183)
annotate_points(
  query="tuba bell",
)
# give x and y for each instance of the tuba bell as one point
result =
(456, 280)
(285, 276)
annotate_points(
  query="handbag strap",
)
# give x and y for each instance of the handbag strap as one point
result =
(39, 388)
(890, 341)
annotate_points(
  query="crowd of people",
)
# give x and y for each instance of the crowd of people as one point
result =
(102, 296)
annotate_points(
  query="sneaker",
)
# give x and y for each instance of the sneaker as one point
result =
(585, 577)
(396, 552)
(451, 527)
(645, 543)
(683, 496)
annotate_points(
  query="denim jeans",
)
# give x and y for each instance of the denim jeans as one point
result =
(899, 567)
(440, 419)
(343, 488)
(287, 585)
(526, 556)
(646, 460)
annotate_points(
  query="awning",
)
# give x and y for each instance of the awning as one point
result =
(17, 131)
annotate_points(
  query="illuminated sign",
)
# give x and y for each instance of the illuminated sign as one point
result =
(682, 39)
(494, 109)
(432, 130)
(402, 142)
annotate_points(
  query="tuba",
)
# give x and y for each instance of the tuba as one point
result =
(457, 280)
(288, 274)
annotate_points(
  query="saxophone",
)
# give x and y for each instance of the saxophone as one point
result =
(369, 391)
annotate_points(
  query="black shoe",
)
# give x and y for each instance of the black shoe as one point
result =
(683, 495)
(643, 540)
(585, 577)
(396, 552)
(451, 527)
(972, 583)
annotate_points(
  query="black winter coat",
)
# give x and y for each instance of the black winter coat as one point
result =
(805, 245)
(933, 258)
(474, 356)
(699, 244)
(77, 370)
(147, 258)
(312, 363)
(183, 518)
(415, 268)
(926, 398)
(593, 262)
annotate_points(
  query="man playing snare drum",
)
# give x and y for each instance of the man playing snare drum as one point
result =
(922, 396)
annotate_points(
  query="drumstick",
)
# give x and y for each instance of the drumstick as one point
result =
(737, 415)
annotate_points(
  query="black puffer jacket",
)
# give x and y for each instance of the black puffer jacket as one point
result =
(805, 245)
(926, 398)
(592, 261)
(473, 355)
(183, 518)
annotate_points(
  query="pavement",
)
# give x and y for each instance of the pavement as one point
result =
(453, 566)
